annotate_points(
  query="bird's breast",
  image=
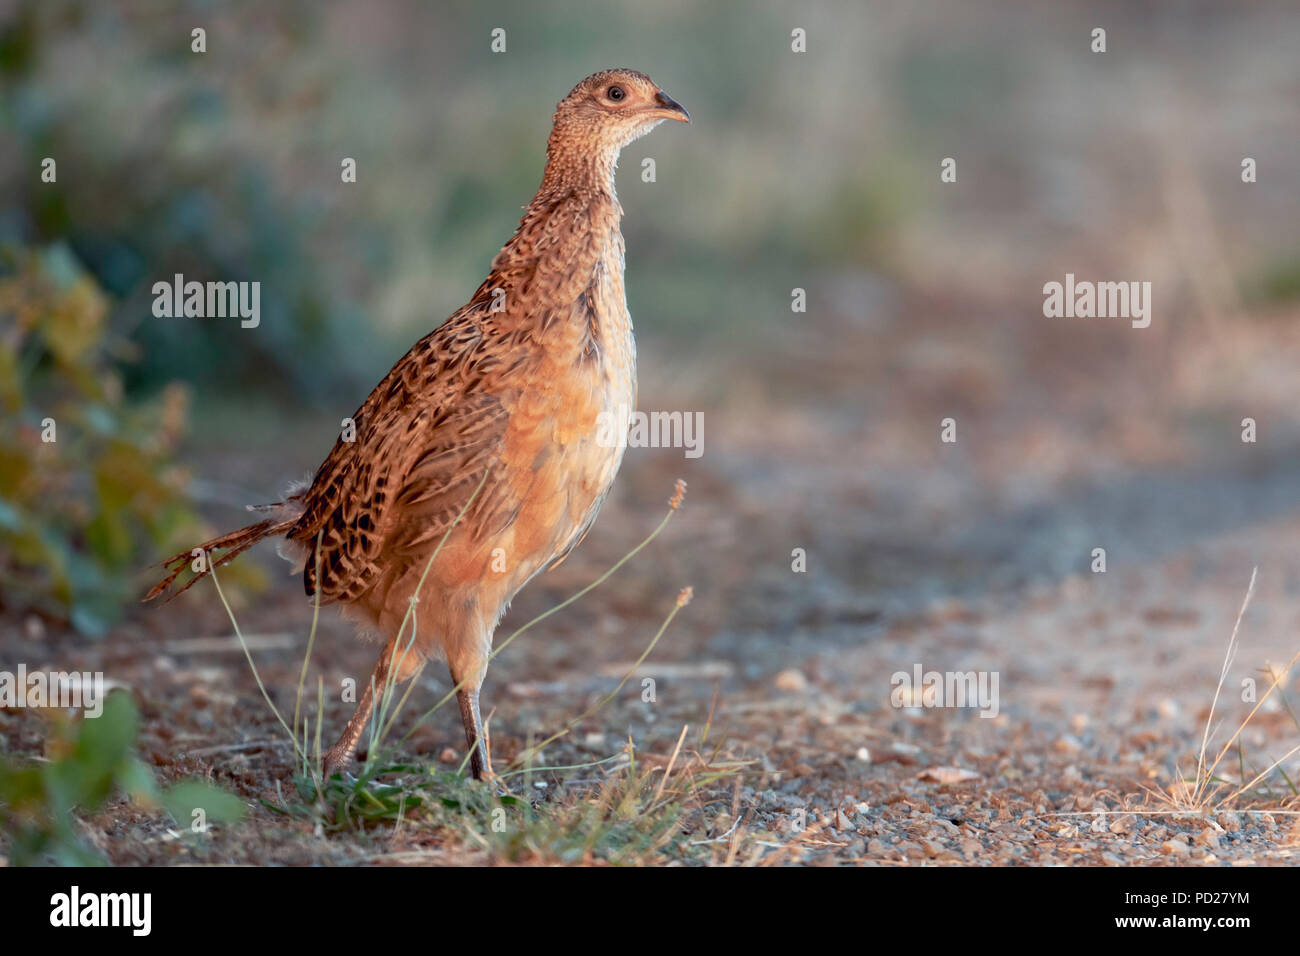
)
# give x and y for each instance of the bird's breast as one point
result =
(568, 414)
(595, 372)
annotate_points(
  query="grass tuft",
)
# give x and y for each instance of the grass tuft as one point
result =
(1207, 791)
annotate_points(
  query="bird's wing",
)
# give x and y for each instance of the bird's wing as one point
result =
(423, 440)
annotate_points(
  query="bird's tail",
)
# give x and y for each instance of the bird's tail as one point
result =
(233, 544)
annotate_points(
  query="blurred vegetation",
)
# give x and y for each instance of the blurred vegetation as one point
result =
(88, 494)
(88, 761)
(1277, 282)
(138, 200)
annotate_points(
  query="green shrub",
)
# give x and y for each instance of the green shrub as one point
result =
(88, 762)
(88, 494)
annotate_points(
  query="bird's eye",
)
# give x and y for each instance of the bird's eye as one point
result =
(615, 93)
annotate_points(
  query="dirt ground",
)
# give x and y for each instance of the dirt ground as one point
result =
(970, 556)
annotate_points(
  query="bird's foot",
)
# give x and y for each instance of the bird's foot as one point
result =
(337, 760)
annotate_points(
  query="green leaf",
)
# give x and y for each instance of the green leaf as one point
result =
(137, 781)
(107, 740)
(218, 806)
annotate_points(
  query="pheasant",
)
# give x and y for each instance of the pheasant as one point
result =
(475, 464)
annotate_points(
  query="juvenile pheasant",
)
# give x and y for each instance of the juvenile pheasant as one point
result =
(493, 413)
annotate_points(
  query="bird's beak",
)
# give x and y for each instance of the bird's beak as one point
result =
(669, 108)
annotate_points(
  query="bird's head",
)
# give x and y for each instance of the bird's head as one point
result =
(608, 110)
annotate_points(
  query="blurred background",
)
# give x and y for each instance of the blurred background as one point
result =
(816, 170)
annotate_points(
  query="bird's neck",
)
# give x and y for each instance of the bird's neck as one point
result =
(572, 164)
(568, 238)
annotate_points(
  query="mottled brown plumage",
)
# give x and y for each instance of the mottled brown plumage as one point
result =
(510, 386)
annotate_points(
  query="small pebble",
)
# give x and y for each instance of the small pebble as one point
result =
(791, 680)
(1207, 838)
(1229, 821)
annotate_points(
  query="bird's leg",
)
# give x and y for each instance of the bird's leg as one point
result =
(340, 755)
(480, 754)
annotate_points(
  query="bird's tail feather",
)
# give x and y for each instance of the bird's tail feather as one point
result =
(233, 544)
